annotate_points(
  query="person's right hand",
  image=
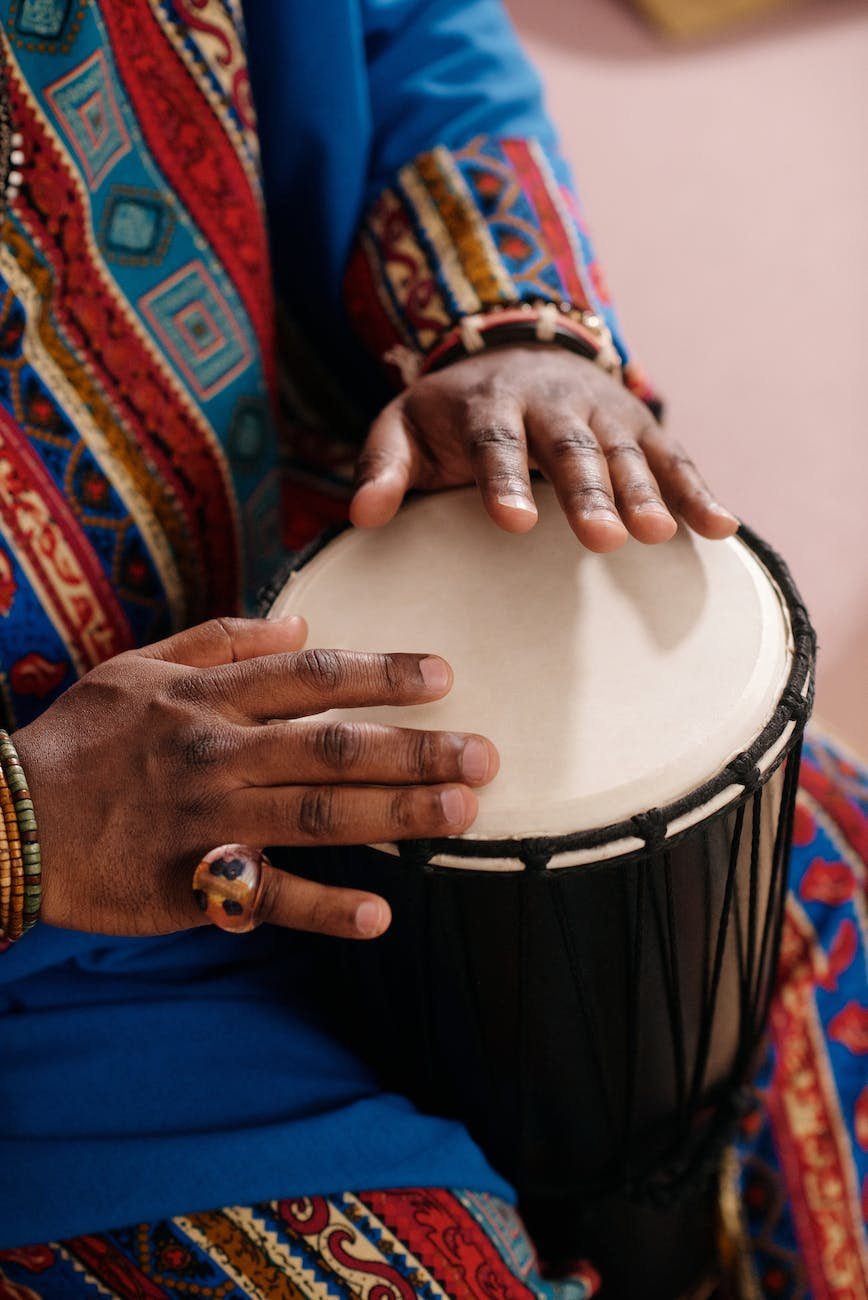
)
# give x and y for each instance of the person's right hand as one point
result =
(209, 737)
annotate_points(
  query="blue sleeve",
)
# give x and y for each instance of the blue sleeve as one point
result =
(442, 72)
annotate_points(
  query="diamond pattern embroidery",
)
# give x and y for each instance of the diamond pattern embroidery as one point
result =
(87, 109)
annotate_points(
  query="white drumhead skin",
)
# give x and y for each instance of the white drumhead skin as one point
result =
(609, 683)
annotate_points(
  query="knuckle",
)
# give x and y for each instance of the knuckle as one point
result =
(424, 755)
(624, 448)
(506, 481)
(202, 805)
(497, 436)
(650, 432)
(590, 496)
(402, 812)
(392, 676)
(316, 812)
(337, 745)
(639, 487)
(370, 461)
(577, 442)
(319, 914)
(201, 748)
(227, 630)
(317, 668)
(677, 459)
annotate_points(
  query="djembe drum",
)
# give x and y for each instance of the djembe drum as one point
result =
(583, 977)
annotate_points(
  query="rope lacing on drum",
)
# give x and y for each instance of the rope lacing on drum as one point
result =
(416, 853)
(650, 826)
(744, 771)
(691, 1173)
(537, 854)
(794, 704)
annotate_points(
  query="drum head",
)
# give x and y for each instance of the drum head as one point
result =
(609, 683)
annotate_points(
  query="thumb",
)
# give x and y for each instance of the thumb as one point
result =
(227, 640)
(385, 469)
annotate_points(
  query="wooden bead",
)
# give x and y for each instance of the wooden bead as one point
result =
(20, 858)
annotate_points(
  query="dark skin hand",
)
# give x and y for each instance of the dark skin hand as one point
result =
(488, 418)
(212, 736)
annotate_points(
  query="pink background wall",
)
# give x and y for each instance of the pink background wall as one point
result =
(728, 190)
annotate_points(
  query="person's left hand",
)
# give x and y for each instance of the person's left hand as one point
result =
(489, 417)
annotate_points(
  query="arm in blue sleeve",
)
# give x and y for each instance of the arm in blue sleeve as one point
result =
(470, 205)
(442, 72)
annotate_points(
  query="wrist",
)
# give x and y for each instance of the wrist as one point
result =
(578, 330)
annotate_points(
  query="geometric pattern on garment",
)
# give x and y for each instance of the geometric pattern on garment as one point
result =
(136, 226)
(46, 26)
(467, 231)
(315, 1248)
(211, 45)
(85, 104)
(803, 1153)
(198, 329)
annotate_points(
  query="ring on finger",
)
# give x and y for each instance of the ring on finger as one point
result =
(227, 885)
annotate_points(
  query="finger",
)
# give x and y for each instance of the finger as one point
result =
(570, 457)
(384, 470)
(229, 640)
(312, 681)
(494, 436)
(683, 487)
(256, 892)
(635, 489)
(362, 753)
(300, 904)
(347, 814)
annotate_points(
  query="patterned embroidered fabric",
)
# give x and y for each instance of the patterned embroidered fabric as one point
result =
(464, 231)
(803, 1177)
(138, 495)
(393, 1245)
(137, 457)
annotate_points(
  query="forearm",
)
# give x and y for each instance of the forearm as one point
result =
(472, 207)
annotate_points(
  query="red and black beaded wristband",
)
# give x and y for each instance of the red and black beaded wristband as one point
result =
(582, 332)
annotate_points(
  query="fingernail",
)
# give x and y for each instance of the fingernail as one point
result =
(721, 511)
(370, 918)
(291, 621)
(435, 673)
(651, 508)
(475, 760)
(596, 512)
(517, 502)
(454, 807)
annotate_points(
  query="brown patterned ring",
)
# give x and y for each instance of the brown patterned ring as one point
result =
(227, 884)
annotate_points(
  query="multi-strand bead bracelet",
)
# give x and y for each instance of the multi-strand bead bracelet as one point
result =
(20, 858)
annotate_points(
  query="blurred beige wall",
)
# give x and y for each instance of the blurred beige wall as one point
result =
(727, 187)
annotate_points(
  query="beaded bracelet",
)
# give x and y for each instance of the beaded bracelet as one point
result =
(580, 331)
(20, 857)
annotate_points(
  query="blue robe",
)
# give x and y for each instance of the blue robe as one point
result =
(146, 1077)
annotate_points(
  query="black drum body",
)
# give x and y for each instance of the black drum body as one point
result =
(591, 1006)
(592, 1025)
